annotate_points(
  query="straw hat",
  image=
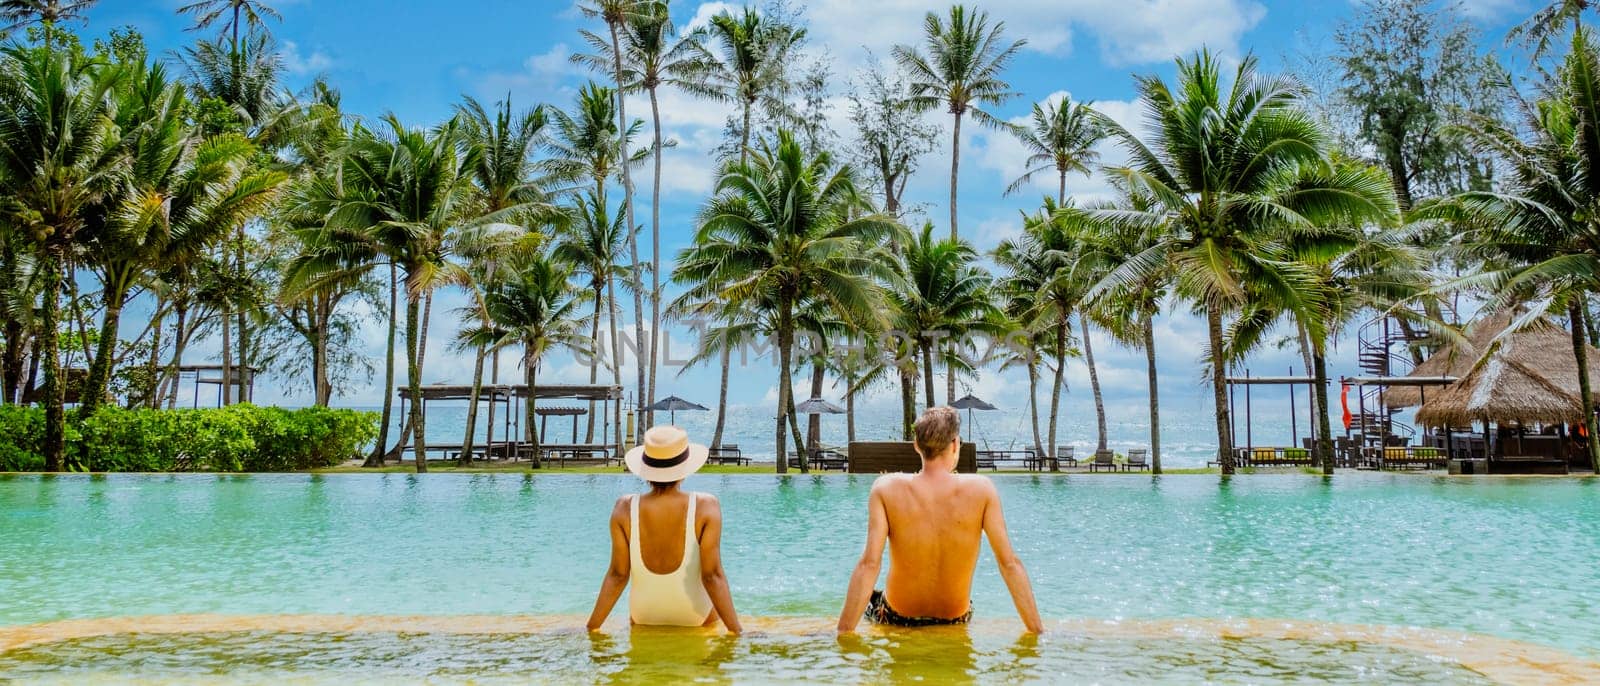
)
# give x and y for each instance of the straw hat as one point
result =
(666, 456)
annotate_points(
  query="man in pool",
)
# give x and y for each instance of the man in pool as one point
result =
(933, 521)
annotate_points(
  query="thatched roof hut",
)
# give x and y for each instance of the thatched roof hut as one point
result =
(1501, 390)
(1542, 349)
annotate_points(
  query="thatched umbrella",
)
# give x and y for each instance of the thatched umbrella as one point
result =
(1501, 390)
(1542, 347)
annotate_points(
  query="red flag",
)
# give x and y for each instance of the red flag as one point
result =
(1344, 401)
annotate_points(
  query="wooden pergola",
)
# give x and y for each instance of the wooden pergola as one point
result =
(515, 439)
(240, 377)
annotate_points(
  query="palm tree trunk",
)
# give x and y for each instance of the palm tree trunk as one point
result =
(93, 393)
(382, 448)
(616, 357)
(530, 373)
(814, 422)
(49, 353)
(227, 356)
(11, 362)
(322, 308)
(950, 380)
(927, 371)
(1033, 405)
(727, 351)
(633, 236)
(1219, 389)
(655, 258)
(1155, 393)
(1585, 392)
(1324, 442)
(414, 380)
(850, 410)
(1055, 386)
(1094, 383)
(955, 169)
(152, 381)
(465, 458)
(1311, 363)
(785, 340)
(722, 398)
(594, 368)
(908, 401)
(180, 340)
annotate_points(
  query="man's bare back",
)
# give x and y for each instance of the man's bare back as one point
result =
(933, 522)
(935, 530)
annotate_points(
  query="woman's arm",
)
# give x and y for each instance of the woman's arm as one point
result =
(866, 573)
(1011, 569)
(711, 574)
(617, 573)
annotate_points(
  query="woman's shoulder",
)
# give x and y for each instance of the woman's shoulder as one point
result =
(706, 503)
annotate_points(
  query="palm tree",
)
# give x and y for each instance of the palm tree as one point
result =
(1043, 259)
(741, 59)
(941, 289)
(652, 55)
(1538, 237)
(59, 155)
(1227, 170)
(232, 13)
(593, 247)
(582, 148)
(961, 72)
(182, 196)
(46, 13)
(779, 232)
(532, 304)
(1545, 24)
(1060, 139)
(1129, 312)
(508, 191)
(402, 194)
(618, 15)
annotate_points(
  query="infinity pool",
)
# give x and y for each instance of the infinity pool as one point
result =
(1180, 578)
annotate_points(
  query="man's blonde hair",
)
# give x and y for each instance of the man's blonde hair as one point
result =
(935, 429)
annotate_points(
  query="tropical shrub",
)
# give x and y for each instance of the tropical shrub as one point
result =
(21, 433)
(230, 439)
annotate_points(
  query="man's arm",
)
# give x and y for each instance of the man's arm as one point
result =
(711, 574)
(866, 573)
(617, 573)
(994, 527)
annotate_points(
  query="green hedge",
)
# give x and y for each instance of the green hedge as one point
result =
(239, 438)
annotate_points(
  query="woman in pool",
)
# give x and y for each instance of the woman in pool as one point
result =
(667, 529)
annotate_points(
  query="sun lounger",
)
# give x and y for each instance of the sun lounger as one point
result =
(1064, 455)
(727, 453)
(1137, 460)
(878, 457)
(1103, 459)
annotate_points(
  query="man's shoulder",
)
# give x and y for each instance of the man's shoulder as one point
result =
(889, 481)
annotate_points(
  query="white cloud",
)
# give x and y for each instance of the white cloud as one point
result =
(1491, 9)
(296, 63)
(1127, 31)
(540, 74)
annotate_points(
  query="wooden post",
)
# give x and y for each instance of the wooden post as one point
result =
(1294, 426)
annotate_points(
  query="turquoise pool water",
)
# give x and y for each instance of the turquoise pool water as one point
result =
(1510, 558)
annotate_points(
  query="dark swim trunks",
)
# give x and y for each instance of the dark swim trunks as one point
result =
(879, 612)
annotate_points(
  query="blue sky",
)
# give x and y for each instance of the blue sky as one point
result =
(417, 58)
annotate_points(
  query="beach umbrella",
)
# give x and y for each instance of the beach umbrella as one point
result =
(970, 402)
(671, 404)
(818, 406)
